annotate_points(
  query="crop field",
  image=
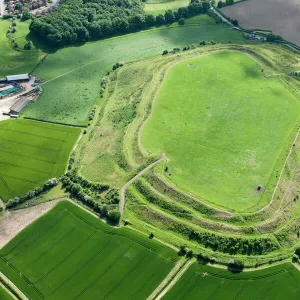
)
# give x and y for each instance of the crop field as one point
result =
(222, 143)
(204, 282)
(69, 254)
(158, 5)
(32, 152)
(282, 17)
(76, 72)
(13, 61)
(4, 295)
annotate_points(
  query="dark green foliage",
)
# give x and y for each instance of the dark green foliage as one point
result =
(234, 245)
(79, 21)
(273, 38)
(181, 21)
(26, 14)
(114, 216)
(28, 45)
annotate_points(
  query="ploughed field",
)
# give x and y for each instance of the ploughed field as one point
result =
(281, 16)
(224, 128)
(204, 282)
(69, 254)
(32, 152)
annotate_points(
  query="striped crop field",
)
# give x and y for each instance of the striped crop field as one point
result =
(204, 282)
(32, 152)
(69, 254)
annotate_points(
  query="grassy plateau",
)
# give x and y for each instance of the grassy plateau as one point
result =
(32, 152)
(204, 282)
(69, 254)
(222, 126)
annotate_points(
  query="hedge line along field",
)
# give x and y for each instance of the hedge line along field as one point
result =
(229, 139)
(76, 72)
(204, 282)
(32, 152)
(16, 61)
(69, 254)
(4, 295)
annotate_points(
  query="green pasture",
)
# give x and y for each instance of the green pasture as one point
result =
(16, 61)
(76, 71)
(153, 5)
(204, 282)
(223, 127)
(69, 254)
(4, 295)
(32, 152)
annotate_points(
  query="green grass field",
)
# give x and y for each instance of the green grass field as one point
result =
(32, 152)
(69, 254)
(79, 70)
(4, 295)
(223, 126)
(204, 282)
(153, 5)
(16, 61)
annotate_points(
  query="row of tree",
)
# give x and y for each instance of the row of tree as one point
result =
(79, 21)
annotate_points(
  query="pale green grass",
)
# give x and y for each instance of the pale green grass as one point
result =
(223, 126)
(165, 5)
(16, 61)
(69, 98)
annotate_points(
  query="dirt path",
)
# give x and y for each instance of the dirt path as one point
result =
(13, 287)
(174, 280)
(126, 185)
(8, 291)
(165, 282)
(12, 222)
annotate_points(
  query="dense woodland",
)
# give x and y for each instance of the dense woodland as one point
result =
(82, 20)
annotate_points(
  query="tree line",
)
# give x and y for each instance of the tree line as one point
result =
(82, 20)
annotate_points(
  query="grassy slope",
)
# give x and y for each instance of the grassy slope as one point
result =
(16, 61)
(32, 152)
(222, 141)
(69, 253)
(205, 282)
(70, 98)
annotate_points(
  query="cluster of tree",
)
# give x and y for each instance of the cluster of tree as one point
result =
(234, 245)
(92, 114)
(88, 193)
(215, 16)
(273, 38)
(297, 74)
(75, 21)
(296, 256)
(34, 193)
(225, 3)
(184, 251)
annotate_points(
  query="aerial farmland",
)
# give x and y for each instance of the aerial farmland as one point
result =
(149, 150)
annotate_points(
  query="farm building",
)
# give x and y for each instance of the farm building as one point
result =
(18, 77)
(19, 105)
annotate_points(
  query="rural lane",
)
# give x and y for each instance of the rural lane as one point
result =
(127, 184)
(2, 6)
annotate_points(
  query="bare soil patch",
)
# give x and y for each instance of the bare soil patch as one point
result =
(12, 222)
(280, 16)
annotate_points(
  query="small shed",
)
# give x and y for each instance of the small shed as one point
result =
(18, 106)
(19, 77)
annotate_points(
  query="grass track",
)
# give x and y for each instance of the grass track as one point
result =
(222, 142)
(67, 245)
(205, 282)
(32, 152)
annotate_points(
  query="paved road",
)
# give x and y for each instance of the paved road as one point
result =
(126, 185)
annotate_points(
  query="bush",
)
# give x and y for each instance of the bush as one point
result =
(114, 216)
(181, 21)
(165, 52)
(28, 45)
